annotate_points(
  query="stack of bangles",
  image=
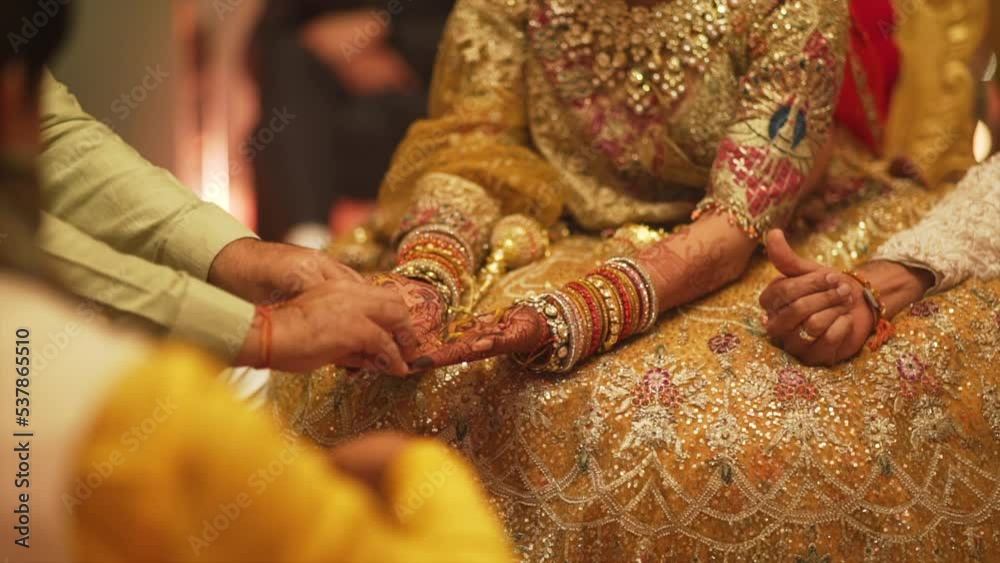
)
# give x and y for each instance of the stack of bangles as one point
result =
(883, 328)
(592, 315)
(438, 255)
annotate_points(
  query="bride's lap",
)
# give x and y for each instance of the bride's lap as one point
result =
(700, 438)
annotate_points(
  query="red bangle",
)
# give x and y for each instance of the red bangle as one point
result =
(267, 326)
(597, 329)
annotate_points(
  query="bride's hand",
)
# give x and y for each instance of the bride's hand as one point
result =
(515, 330)
(428, 312)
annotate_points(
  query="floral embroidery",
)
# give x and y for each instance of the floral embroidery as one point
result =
(813, 556)
(662, 395)
(931, 424)
(879, 431)
(924, 309)
(991, 409)
(793, 385)
(723, 343)
(726, 435)
(914, 375)
(762, 191)
(656, 387)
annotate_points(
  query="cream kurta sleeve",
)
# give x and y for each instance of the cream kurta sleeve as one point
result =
(187, 307)
(94, 181)
(960, 237)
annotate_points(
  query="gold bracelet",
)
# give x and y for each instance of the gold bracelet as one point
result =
(613, 306)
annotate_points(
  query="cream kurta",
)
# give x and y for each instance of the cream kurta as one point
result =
(121, 232)
(960, 238)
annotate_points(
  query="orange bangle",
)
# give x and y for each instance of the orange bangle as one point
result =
(267, 326)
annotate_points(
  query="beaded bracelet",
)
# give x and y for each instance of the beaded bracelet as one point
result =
(883, 329)
(563, 351)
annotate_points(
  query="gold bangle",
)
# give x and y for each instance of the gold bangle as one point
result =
(613, 306)
(635, 305)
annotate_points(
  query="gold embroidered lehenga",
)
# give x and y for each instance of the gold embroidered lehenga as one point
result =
(698, 441)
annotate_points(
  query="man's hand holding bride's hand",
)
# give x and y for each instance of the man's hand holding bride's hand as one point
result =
(815, 313)
(342, 322)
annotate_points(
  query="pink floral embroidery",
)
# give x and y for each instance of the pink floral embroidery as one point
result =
(792, 384)
(723, 343)
(924, 309)
(914, 375)
(656, 387)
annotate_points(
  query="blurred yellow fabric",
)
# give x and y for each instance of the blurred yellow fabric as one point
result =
(188, 474)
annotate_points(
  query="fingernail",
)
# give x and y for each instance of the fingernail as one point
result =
(831, 278)
(843, 290)
(421, 364)
(765, 318)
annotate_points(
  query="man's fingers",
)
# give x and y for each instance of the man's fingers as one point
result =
(385, 307)
(817, 324)
(333, 270)
(784, 258)
(783, 293)
(791, 317)
(834, 340)
(379, 350)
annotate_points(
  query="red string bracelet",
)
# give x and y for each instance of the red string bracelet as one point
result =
(266, 334)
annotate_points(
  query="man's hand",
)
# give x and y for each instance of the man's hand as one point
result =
(268, 272)
(338, 322)
(823, 305)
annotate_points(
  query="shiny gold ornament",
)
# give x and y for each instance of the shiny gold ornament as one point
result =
(517, 240)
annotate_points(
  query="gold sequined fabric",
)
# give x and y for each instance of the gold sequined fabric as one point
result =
(718, 103)
(703, 442)
(699, 441)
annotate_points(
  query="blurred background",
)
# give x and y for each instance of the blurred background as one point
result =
(284, 112)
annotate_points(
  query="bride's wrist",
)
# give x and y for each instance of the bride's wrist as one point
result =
(898, 285)
(437, 256)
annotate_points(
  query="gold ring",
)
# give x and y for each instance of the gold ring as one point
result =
(806, 337)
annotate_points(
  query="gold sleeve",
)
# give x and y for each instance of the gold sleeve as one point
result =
(795, 55)
(175, 470)
(470, 162)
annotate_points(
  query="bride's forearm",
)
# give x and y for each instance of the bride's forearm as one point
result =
(697, 261)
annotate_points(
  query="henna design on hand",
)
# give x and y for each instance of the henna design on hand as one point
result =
(473, 338)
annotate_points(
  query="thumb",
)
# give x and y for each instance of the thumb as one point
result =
(784, 258)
